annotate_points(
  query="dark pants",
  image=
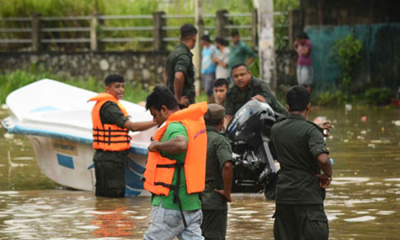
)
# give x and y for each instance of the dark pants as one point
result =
(110, 173)
(214, 224)
(300, 222)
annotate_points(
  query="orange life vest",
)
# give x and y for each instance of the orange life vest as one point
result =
(160, 170)
(108, 137)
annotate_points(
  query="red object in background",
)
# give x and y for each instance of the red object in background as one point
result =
(396, 102)
(363, 118)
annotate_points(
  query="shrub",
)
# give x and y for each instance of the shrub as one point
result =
(378, 96)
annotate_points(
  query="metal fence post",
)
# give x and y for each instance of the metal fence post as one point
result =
(94, 43)
(254, 31)
(36, 46)
(220, 23)
(158, 33)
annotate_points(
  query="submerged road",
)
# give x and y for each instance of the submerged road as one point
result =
(363, 201)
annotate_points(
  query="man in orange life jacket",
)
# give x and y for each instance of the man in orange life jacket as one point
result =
(175, 169)
(110, 138)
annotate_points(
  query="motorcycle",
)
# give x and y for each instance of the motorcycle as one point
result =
(249, 133)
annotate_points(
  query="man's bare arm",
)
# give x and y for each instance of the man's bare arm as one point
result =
(139, 126)
(250, 61)
(178, 84)
(228, 118)
(227, 173)
(325, 165)
(174, 146)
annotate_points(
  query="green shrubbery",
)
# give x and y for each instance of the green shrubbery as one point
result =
(347, 53)
(19, 78)
(378, 96)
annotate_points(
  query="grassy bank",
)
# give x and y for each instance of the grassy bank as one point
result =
(17, 79)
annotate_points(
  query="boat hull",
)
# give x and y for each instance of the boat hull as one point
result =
(70, 164)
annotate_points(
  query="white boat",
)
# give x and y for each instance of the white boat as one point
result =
(56, 118)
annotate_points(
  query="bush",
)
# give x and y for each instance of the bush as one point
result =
(378, 96)
(330, 99)
(347, 52)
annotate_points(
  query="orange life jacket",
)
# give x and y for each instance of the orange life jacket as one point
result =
(108, 137)
(160, 170)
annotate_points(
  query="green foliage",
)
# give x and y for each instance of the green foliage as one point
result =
(254, 68)
(348, 54)
(19, 78)
(330, 99)
(378, 96)
(25, 8)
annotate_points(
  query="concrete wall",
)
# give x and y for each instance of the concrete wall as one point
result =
(145, 68)
(379, 66)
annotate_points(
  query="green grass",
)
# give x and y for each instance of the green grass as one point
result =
(19, 78)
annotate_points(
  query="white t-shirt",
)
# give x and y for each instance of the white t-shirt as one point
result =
(222, 72)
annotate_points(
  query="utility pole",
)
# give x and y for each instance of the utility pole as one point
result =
(198, 21)
(266, 48)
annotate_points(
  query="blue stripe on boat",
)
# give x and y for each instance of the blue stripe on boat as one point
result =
(136, 167)
(133, 180)
(28, 131)
(131, 193)
(44, 109)
(65, 161)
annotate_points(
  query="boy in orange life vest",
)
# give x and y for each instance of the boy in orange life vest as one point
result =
(175, 169)
(112, 147)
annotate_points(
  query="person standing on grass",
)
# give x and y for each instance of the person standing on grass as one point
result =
(207, 66)
(179, 69)
(302, 154)
(240, 52)
(111, 140)
(221, 58)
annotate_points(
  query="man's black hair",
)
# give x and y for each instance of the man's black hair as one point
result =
(234, 33)
(206, 38)
(240, 65)
(221, 82)
(159, 97)
(297, 98)
(187, 31)
(112, 79)
(221, 41)
(302, 35)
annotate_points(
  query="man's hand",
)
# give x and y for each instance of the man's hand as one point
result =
(184, 101)
(224, 193)
(259, 98)
(324, 181)
(326, 127)
(153, 146)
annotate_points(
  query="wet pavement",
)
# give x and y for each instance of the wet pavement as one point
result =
(363, 201)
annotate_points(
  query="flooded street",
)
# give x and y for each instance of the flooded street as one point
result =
(363, 201)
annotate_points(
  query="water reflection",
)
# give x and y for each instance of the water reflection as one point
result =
(363, 201)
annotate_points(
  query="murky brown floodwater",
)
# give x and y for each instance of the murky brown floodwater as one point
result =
(363, 202)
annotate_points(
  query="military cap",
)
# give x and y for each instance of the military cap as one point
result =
(215, 113)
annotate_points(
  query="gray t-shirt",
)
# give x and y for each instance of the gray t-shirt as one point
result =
(222, 72)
